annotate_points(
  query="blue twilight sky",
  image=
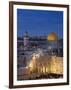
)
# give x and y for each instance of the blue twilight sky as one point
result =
(39, 22)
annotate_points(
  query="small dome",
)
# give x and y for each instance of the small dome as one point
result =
(26, 34)
(52, 37)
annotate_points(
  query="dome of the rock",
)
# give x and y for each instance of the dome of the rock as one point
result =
(52, 37)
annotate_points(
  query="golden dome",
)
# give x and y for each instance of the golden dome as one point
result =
(52, 37)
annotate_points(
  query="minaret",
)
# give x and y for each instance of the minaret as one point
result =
(26, 40)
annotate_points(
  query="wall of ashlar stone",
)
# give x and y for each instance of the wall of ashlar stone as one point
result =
(57, 65)
(48, 64)
(44, 65)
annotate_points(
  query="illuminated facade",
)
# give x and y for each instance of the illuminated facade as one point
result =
(46, 64)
